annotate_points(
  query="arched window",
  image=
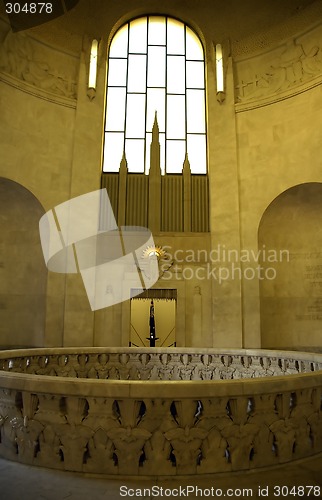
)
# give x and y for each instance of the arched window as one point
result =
(155, 66)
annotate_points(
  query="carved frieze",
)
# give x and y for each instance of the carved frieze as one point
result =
(29, 61)
(157, 434)
(282, 71)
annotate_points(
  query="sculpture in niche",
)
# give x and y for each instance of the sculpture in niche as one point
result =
(17, 57)
(295, 64)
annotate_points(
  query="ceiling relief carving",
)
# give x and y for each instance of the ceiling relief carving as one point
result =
(37, 65)
(285, 70)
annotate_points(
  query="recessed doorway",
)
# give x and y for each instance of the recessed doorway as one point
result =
(164, 310)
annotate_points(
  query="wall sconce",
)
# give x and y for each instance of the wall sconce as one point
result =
(92, 75)
(220, 74)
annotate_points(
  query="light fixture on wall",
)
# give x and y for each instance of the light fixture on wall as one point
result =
(92, 75)
(220, 74)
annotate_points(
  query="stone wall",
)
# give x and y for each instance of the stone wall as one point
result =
(262, 140)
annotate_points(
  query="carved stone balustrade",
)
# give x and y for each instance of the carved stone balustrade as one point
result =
(198, 411)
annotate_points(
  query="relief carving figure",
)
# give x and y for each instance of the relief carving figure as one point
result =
(259, 365)
(157, 415)
(9, 415)
(214, 419)
(300, 414)
(27, 434)
(101, 367)
(240, 440)
(186, 444)
(18, 58)
(312, 63)
(61, 367)
(165, 373)
(156, 367)
(227, 371)
(315, 422)
(216, 366)
(157, 452)
(33, 365)
(238, 367)
(291, 61)
(145, 372)
(82, 367)
(129, 443)
(49, 448)
(48, 410)
(16, 52)
(42, 76)
(294, 65)
(213, 451)
(263, 416)
(44, 368)
(101, 449)
(113, 373)
(74, 444)
(284, 439)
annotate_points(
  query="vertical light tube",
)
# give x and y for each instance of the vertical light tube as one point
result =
(93, 67)
(220, 73)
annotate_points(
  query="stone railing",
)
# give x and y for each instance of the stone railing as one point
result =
(182, 420)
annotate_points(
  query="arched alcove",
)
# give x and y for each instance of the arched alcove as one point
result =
(290, 242)
(22, 268)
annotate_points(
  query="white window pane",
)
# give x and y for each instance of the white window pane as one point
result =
(156, 67)
(148, 152)
(195, 111)
(118, 46)
(148, 140)
(176, 74)
(113, 151)
(137, 73)
(155, 103)
(175, 37)
(135, 116)
(138, 36)
(156, 30)
(162, 152)
(194, 48)
(176, 117)
(195, 75)
(134, 151)
(196, 147)
(115, 109)
(117, 72)
(176, 151)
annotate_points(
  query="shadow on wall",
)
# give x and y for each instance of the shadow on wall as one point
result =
(23, 274)
(291, 304)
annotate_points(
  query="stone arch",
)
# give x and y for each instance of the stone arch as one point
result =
(22, 267)
(290, 240)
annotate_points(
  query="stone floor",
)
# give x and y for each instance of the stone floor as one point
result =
(23, 482)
